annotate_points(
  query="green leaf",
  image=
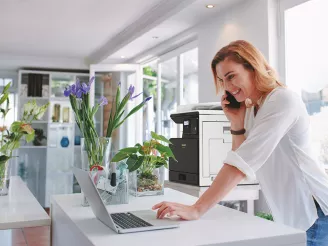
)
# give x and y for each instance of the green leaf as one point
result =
(118, 95)
(120, 156)
(3, 159)
(5, 90)
(165, 150)
(160, 137)
(131, 161)
(15, 126)
(3, 111)
(130, 150)
(13, 145)
(139, 146)
(4, 98)
(137, 164)
(30, 137)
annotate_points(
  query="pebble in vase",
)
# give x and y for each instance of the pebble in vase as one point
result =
(64, 142)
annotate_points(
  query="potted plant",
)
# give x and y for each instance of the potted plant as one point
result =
(10, 138)
(146, 165)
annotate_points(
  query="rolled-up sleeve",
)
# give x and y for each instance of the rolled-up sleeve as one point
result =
(273, 121)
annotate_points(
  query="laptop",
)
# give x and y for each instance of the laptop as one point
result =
(126, 222)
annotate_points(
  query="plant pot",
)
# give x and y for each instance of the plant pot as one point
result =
(147, 184)
(4, 178)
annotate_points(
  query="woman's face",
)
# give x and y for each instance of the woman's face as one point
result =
(236, 79)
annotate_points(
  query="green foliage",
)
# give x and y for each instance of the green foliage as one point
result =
(148, 156)
(10, 140)
(264, 216)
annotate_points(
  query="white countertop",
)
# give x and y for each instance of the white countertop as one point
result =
(20, 208)
(220, 226)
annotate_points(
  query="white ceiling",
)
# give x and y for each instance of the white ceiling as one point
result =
(62, 28)
(187, 18)
(94, 31)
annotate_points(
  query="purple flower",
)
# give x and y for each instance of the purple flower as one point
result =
(79, 93)
(119, 83)
(73, 89)
(91, 80)
(103, 101)
(68, 91)
(131, 91)
(85, 88)
(147, 99)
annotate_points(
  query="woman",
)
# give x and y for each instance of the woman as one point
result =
(270, 139)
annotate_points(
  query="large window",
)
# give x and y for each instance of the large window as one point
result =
(190, 77)
(177, 76)
(306, 64)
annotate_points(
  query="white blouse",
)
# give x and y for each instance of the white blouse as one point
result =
(277, 152)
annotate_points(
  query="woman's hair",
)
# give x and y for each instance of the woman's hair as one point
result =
(242, 52)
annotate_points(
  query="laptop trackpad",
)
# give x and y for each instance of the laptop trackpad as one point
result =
(150, 217)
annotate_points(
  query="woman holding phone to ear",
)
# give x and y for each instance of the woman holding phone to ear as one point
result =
(271, 143)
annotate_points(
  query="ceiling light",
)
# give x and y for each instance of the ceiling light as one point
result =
(155, 37)
(210, 6)
(122, 56)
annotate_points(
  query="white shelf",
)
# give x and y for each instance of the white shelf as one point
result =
(60, 99)
(32, 147)
(39, 122)
(37, 98)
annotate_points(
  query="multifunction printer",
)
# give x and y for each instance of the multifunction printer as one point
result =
(205, 142)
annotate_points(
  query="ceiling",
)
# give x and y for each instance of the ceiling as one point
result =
(86, 31)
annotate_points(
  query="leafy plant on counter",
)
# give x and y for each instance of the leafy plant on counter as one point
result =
(144, 157)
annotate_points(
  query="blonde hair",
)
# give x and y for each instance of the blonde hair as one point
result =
(242, 52)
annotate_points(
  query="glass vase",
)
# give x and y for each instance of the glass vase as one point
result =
(4, 178)
(147, 184)
(95, 156)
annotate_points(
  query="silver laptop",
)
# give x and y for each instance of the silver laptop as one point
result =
(134, 221)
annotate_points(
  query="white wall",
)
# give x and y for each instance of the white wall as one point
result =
(248, 21)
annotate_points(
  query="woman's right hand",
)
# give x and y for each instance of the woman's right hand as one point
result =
(236, 116)
(185, 212)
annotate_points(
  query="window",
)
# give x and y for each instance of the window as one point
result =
(305, 53)
(190, 77)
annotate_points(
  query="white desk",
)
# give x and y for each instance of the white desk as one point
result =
(75, 225)
(248, 193)
(20, 208)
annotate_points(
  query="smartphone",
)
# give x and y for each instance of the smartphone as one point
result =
(233, 102)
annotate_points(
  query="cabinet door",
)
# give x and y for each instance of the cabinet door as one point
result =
(217, 141)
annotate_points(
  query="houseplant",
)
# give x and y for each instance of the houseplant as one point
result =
(10, 139)
(145, 163)
(95, 150)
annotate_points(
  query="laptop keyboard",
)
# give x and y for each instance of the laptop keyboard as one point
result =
(128, 220)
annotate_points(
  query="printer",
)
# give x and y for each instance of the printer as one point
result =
(205, 141)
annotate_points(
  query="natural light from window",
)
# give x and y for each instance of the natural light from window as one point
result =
(306, 66)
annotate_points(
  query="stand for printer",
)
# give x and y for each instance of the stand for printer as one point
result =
(248, 193)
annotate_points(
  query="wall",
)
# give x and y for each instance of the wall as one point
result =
(254, 21)
(248, 21)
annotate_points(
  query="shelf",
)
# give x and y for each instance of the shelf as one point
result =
(37, 98)
(61, 124)
(60, 99)
(39, 122)
(32, 147)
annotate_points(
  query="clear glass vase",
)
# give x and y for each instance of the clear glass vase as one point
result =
(4, 178)
(95, 158)
(147, 184)
(95, 155)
